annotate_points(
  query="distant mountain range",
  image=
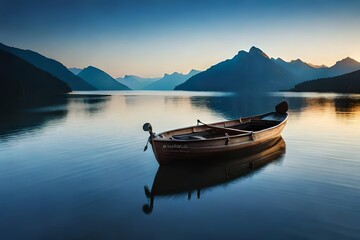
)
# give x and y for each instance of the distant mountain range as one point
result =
(51, 66)
(170, 81)
(306, 71)
(347, 83)
(255, 71)
(167, 82)
(100, 79)
(247, 71)
(135, 82)
(21, 81)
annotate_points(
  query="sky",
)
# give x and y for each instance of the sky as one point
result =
(153, 37)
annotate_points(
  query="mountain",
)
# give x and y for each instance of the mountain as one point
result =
(343, 66)
(75, 71)
(100, 79)
(317, 66)
(252, 70)
(306, 71)
(347, 83)
(170, 81)
(21, 81)
(51, 66)
(299, 68)
(135, 82)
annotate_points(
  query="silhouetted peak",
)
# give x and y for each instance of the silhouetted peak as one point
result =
(317, 66)
(193, 71)
(279, 59)
(75, 68)
(91, 68)
(296, 61)
(94, 70)
(172, 74)
(51, 66)
(347, 60)
(256, 51)
(131, 76)
(241, 52)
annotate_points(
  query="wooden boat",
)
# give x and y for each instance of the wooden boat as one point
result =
(186, 179)
(221, 139)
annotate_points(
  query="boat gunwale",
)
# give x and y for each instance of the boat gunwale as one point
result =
(159, 139)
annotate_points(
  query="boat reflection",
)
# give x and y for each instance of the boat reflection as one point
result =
(173, 180)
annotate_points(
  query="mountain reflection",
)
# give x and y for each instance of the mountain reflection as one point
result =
(91, 104)
(35, 116)
(343, 105)
(32, 118)
(238, 105)
(347, 105)
(173, 180)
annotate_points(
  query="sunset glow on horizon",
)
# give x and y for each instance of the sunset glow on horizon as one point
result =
(150, 39)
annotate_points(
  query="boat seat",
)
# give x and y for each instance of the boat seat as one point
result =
(187, 137)
(265, 121)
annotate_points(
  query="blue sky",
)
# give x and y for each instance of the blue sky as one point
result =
(149, 38)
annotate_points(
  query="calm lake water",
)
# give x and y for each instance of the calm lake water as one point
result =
(77, 170)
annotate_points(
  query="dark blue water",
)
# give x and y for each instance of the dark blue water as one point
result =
(76, 170)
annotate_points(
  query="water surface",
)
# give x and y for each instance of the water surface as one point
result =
(76, 169)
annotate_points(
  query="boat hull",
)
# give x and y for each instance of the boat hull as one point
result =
(169, 151)
(185, 179)
(171, 179)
